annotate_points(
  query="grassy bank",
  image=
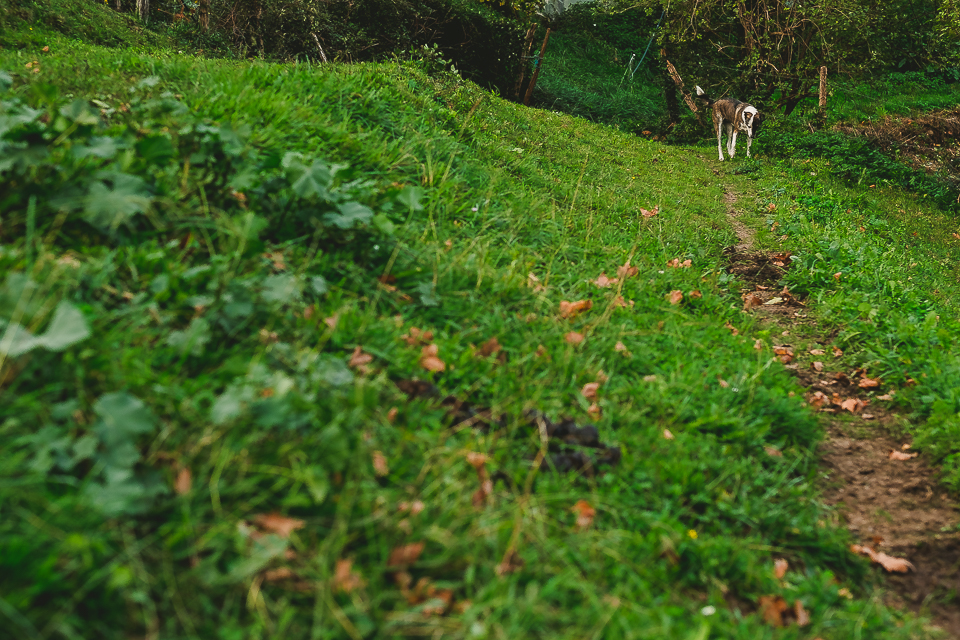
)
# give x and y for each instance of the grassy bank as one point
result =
(222, 415)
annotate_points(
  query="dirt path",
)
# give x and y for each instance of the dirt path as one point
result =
(895, 507)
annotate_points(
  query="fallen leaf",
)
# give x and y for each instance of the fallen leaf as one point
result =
(783, 353)
(542, 352)
(868, 383)
(668, 435)
(650, 378)
(278, 574)
(360, 360)
(405, 554)
(380, 466)
(674, 297)
(511, 562)
(723, 383)
(574, 338)
(626, 271)
(772, 609)
(652, 212)
(448, 244)
(477, 460)
(278, 524)
(750, 301)
(595, 411)
(841, 377)
(886, 397)
(818, 399)
(905, 447)
(780, 567)
(415, 336)
(589, 390)
(184, 482)
(817, 352)
(571, 309)
(896, 565)
(429, 359)
(585, 514)
(695, 294)
(867, 416)
(774, 300)
(900, 455)
(392, 414)
(45, 49)
(344, 579)
(853, 405)
(817, 366)
(837, 275)
(619, 346)
(603, 281)
(732, 328)
(332, 321)
(803, 618)
(773, 451)
(620, 302)
(771, 207)
(489, 348)
(534, 283)
(836, 352)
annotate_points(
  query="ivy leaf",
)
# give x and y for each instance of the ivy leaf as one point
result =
(410, 198)
(107, 207)
(80, 112)
(308, 181)
(123, 417)
(99, 146)
(193, 339)
(156, 149)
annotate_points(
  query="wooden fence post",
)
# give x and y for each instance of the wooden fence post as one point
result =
(528, 42)
(536, 70)
(823, 96)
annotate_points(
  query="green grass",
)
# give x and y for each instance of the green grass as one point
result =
(160, 220)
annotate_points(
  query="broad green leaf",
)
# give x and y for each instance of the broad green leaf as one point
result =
(68, 327)
(352, 214)
(282, 288)
(319, 285)
(122, 418)
(192, 339)
(107, 207)
(410, 197)
(156, 149)
(262, 552)
(309, 181)
(148, 82)
(80, 112)
(384, 224)
(99, 146)
(428, 294)
(5, 80)
(21, 116)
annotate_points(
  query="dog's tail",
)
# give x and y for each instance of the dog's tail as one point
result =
(703, 96)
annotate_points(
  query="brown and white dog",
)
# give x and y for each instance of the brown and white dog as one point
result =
(733, 116)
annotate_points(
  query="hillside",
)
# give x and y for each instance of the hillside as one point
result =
(357, 351)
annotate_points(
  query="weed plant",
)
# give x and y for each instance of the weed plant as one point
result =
(196, 254)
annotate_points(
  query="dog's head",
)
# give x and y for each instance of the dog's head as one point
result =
(750, 122)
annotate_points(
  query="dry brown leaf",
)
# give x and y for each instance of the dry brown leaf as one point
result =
(380, 466)
(392, 414)
(732, 328)
(603, 281)
(652, 212)
(758, 344)
(571, 309)
(650, 378)
(359, 359)
(818, 399)
(489, 347)
(183, 482)
(673, 263)
(278, 574)
(619, 346)
(511, 562)
(723, 383)
(905, 447)
(773, 451)
(772, 609)
(331, 322)
(429, 359)
(405, 554)
(867, 416)
(868, 383)
(344, 579)
(574, 338)
(837, 275)
(668, 435)
(534, 283)
(836, 352)
(803, 618)
(783, 353)
(897, 565)
(885, 397)
(477, 460)
(695, 294)
(542, 352)
(900, 455)
(817, 352)
(620, 302)
(278, 524)
(585, 514)
(595, 411)
(675, 297)
(780, 567)
(817, 366)
(771, 207)
(853, 405)
(626, 271)
(589, 390)
(415, 336)
(750, 301)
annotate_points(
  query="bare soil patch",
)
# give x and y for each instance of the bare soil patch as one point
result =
(892, 506)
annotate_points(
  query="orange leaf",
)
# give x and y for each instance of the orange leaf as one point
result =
(836, 352)
(868, 383)
(803, 618)
(732, 328)
(626, 271)
(853, 405)
(183, 482)
(817, 352)
(570, 309)
(620, 302)
(652, 212)
(750, 301)
(771, 207)
(380, 466)
(837, 275)
(772, 609)
(589, 390)
(695, 294)
(429, 359)
(818, 399)
(477, 460)
(780, 567)
(405, 554)
(585, 514)
(773, 451)
(900, 455)
(603, 281)
(344, 579)
(359, 359)
(392, 414)
(489, 347)
(817, 366)
(898, 565)
(574, 338)
(619, 346)
(595, 411)
(674, 297)
(278, 524)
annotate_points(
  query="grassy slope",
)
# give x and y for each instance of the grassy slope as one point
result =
(679, 524)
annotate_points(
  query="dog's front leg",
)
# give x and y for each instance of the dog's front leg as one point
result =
(732, 141)
(749, 141)
(719, 139)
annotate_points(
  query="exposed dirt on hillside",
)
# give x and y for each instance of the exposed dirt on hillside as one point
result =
(893, 506)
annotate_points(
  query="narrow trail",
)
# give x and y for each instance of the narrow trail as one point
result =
(895, 507)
